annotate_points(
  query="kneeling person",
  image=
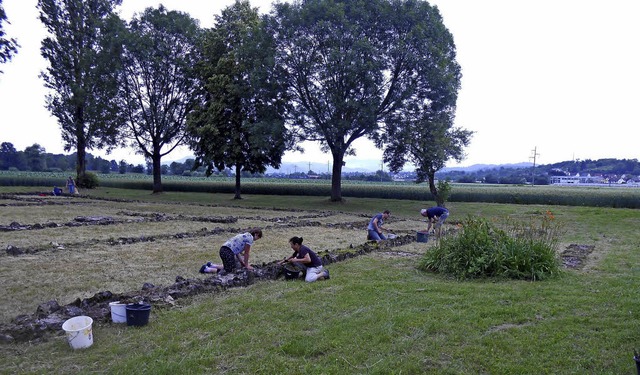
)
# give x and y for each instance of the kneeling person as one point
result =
(305, 257)
(234, 253)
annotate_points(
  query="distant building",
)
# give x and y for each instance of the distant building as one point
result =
(575, 180)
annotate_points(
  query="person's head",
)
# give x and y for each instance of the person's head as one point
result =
(423, 212)
(295, 243)
(386, 214)
(256, 233)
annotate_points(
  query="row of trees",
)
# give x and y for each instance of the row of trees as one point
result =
(34, 158)
(246, 90)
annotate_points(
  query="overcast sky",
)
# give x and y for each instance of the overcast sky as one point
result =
(558, 76)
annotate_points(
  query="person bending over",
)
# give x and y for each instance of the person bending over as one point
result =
(435, 217)
(234, 253)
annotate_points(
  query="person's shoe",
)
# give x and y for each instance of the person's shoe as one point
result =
(209, 264)
(326, 276)
(204, 266)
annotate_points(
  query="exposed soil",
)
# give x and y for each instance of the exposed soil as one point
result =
(575, 256)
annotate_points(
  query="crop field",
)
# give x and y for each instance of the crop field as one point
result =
(377, 314)
(614, 196)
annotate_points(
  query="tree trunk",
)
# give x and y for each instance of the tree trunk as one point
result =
(81, 162)
(81, 147)
(434, 190)
(237, 189)
(157, 171)
(336, 178)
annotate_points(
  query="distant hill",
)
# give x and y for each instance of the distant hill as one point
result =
(627, 170)
(363, 166)
(479, 167)
(601, 166)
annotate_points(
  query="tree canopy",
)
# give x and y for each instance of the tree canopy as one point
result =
(8, 46)
(355, 68)
(423, 133)
(241, 122)
(159, 86)
(82, 72)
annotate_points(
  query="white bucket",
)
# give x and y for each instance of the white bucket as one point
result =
(78, 331)
(118, 312)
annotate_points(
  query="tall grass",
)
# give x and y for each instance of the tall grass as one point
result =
(525, 251)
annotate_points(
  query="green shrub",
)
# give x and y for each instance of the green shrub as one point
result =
(444, 191)
(523, 250)
(88, 181)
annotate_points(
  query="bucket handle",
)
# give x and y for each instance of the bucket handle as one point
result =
(77, 333)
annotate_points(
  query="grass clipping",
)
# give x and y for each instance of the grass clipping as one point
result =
(516, 250)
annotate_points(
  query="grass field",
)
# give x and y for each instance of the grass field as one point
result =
(377, 315)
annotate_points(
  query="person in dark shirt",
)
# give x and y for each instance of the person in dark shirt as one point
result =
(435, 217)
(303, 256)
(374, 229)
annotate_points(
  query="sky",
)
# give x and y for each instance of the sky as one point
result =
(543, 81)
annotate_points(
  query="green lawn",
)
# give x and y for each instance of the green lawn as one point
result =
(378, 314)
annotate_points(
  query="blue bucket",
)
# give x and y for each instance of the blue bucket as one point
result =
(422, 236)
(138, 314)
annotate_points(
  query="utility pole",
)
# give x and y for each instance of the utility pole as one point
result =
(533, 175)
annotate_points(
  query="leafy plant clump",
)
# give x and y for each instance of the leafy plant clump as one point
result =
(88, 180)
(482, 249)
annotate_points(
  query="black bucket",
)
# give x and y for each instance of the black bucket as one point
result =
(290, 274)
(138, 314)
(422, 236)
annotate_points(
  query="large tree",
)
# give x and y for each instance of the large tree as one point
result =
(352, 66)
(241, 123)
(8, 46)
(422, 132)
(10, 157)
(159, 87)
(427, 143)
(82, 50)
(35, 158)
